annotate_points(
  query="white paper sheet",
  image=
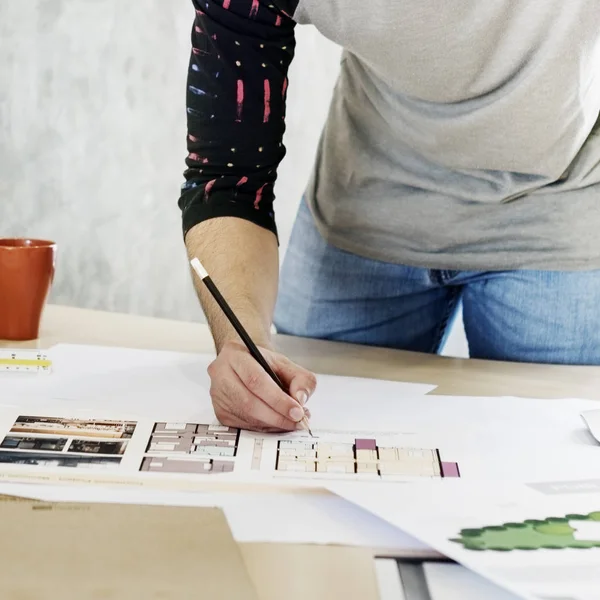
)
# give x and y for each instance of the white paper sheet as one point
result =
(147, 387)
(511, 439)
(404, 437)
(147, 382)
(523, 537)
(259, 517)
(547, 442)
(592, 420)
(139, 382)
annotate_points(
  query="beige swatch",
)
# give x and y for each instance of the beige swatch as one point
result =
(66, 551)
(298, 572)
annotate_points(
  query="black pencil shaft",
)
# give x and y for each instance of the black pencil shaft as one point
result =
(252, 348)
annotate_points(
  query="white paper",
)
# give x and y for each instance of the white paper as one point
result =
(140, 382)
(512, 439)
(182, 451)
(144, 388)
(147, 382)
(258, 517)
(422, 436)
(543, 517)
(105, 446)
(592, 420)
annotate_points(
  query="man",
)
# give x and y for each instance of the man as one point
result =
(460, 162)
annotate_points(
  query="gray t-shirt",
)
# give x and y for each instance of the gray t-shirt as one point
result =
(462, 135)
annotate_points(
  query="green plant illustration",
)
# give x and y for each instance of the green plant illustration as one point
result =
(553, 533)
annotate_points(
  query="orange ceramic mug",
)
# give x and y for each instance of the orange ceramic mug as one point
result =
(26, 274)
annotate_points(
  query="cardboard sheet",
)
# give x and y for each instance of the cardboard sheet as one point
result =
(297, 572)
(117, 552)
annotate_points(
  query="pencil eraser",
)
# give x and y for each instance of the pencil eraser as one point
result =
(197, 266)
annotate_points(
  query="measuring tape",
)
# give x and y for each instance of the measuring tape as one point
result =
(24, 361)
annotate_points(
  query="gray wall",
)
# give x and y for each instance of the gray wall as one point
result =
(92, 143)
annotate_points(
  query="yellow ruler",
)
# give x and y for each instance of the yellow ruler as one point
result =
(24, 361)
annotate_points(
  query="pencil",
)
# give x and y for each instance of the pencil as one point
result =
(252, 347)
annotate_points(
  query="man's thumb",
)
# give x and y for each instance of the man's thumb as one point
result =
(302, 386)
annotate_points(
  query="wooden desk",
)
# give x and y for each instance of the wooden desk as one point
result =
(453, 375)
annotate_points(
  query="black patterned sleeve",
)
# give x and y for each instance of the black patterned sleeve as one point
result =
(236, 92)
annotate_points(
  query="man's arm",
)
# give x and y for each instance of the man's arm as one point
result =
(244, 259)
(237, 86)
(237, 82)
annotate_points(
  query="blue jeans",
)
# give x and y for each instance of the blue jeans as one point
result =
(522, 316)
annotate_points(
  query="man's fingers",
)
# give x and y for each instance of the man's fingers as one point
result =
(245, 396)
(257, 416)
(301, 382)
(230, 420)
(231, 396)
(260, 384)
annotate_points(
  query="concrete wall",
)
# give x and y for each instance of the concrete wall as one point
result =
(92, 144)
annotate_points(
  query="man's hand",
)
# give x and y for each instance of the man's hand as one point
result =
(244, 395)
(242, 259)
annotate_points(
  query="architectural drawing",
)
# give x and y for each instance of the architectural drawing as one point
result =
(191, 448)
(363, 456)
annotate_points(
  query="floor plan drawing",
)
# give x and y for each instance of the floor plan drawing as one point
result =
(362, 458)
(180, 448)
(191, 448)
